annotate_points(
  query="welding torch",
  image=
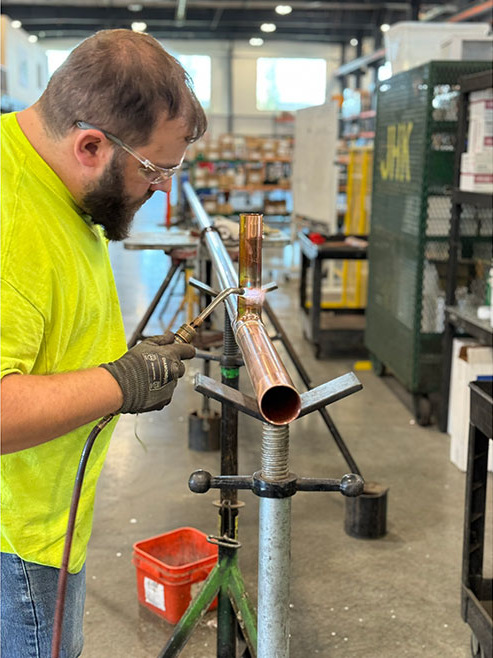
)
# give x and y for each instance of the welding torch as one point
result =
(186, 333)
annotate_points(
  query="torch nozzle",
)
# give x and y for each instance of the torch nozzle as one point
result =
(216, 301)
(186, 332)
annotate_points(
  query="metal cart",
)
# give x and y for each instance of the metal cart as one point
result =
(477, 591)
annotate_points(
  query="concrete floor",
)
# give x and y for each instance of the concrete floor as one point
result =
(396, 596)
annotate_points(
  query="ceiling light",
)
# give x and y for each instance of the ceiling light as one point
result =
(41, 34)
(135, 7)
(256, 41)
(139, 26)
(32, 38)
(385, 27)
(283, 10)
(16, 24)
(354, 42)
(268, 27)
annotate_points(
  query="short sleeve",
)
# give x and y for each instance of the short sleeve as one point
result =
(22, 330)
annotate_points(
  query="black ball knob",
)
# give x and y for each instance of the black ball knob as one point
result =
(352, 485)
(199, 481)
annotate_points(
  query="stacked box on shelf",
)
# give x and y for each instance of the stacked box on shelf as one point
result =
(241, 166)
(413, 173)
(476, 170)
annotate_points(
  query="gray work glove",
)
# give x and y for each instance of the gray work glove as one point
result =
(148, 372)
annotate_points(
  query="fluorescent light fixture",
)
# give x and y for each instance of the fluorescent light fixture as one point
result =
(16, 24)
(385, 27)
(32, 38)
(354, 42)
(135, 7)
(283, 10)
(268, 27)
(139, 26)
(256, 41)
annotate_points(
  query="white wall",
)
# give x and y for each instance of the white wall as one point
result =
(25, 64)
(247, 119)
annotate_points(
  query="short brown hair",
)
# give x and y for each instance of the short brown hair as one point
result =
(121, 81)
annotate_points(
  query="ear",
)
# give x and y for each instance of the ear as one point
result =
(92, 149)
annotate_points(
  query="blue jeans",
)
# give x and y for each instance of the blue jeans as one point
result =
(27, 609)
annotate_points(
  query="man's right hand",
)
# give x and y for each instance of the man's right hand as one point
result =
(148, 373)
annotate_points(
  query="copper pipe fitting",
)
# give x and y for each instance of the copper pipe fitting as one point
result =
(277, 398)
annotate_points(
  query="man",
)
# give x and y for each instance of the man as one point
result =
(110, 129)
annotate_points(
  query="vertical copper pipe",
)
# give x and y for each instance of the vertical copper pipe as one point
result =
(250, 264)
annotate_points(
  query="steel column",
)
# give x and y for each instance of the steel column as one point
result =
(274, 549)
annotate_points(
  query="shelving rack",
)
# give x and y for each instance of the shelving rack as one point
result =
(235, 173)
(458, 319)
(410, 224)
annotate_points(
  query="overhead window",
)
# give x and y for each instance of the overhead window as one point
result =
(288, 83)
(198, 68)
(56, 59)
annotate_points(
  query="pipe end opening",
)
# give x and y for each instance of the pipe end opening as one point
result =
(280, 405)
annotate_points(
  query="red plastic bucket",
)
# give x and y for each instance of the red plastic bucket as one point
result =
(167, 566)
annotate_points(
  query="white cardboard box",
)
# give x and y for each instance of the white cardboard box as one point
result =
(469, 361)
(411, 43)
(480, 130)
(470, 182)
(457, 46)
(479, 162)
(481, 94)
(476, 172)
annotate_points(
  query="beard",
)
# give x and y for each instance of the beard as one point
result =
(108, 204)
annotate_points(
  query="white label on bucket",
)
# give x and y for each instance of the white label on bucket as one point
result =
(195, 588)
(154, 593)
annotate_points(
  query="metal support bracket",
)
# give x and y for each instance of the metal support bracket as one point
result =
(350, 485)
(316, 398)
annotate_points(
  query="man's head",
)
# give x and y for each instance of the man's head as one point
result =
(124, 85)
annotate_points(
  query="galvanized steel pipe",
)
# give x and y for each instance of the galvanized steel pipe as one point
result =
(274, 552)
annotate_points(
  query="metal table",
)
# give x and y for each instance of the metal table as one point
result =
(168, 240)
(346, 326)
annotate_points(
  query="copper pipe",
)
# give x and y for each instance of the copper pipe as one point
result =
(277, 398)
(250, 264)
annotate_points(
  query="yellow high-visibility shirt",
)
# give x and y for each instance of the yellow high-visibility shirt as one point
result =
(59, 313)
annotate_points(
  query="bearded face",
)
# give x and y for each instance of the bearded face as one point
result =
(109, 205)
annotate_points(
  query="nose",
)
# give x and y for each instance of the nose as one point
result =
(165, 186)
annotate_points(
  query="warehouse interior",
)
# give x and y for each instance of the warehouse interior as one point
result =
(361, 134)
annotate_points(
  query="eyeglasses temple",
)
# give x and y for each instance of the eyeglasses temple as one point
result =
(143, 161)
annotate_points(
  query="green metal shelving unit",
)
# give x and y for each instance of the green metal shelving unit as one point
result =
(415, 137)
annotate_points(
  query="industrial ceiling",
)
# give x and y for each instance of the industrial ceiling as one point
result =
(328, 21)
